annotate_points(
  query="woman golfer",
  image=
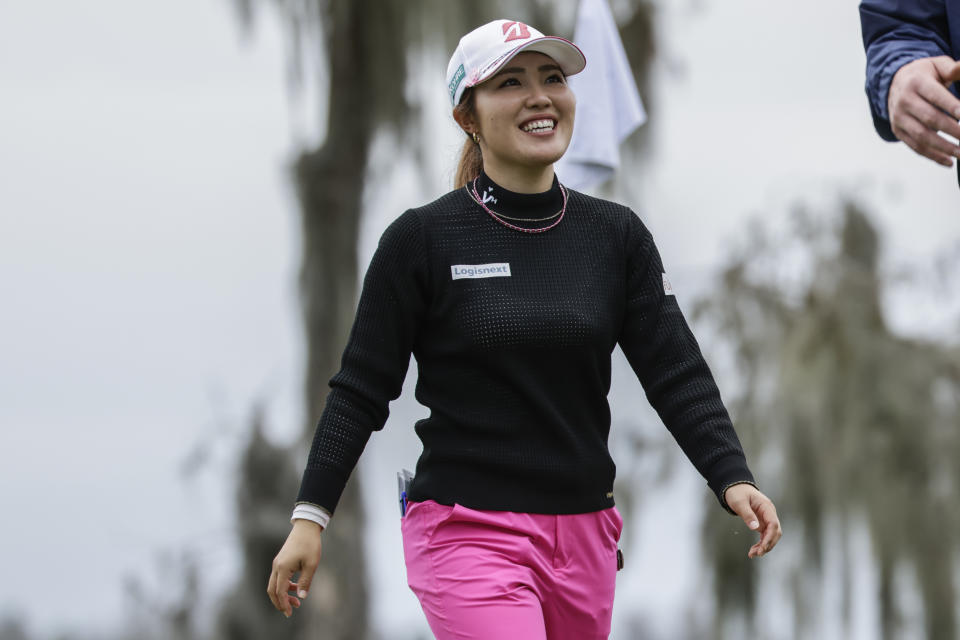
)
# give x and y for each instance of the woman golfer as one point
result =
(512, 292)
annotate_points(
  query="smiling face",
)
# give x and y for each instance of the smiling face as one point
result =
(524, 116)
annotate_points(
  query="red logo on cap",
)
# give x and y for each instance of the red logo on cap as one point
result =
(517, 31)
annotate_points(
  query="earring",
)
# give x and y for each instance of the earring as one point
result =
(475, 137)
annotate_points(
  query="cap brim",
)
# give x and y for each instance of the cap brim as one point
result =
(565, 53)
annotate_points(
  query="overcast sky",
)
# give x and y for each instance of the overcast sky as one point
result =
(148, 254)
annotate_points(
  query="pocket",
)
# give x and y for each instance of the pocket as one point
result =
(616, 522)
(502, 522)
(425, 517)
(418, 527)
(448, 515)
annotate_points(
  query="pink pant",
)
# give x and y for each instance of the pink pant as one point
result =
(494, 575)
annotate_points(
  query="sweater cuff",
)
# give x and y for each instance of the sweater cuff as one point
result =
(727, 472)
(312, 512)
(321, 487)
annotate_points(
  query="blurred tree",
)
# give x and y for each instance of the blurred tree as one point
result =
(167, 607)
(367, 44)
(852, 426)
(12, 629)
(266, 482)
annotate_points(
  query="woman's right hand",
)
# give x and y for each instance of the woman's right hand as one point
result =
(301, 552)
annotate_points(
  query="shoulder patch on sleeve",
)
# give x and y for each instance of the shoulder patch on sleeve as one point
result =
(667, 287)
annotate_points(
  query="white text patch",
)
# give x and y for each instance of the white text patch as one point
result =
(492, 270)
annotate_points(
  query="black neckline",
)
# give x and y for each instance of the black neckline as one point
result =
(528, 206)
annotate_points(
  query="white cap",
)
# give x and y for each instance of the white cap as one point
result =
(483, 51)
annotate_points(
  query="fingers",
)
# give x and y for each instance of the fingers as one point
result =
(301, 552)
(278, 596)
(278, 587)
(282, 594)
(771, 536)
(272, 587)
(293, 600)
(741, 506)
(944, 102)
(283, 600)
(924, 141)
(948, 69)
(306, 577)
(759, 514)
(770, 532)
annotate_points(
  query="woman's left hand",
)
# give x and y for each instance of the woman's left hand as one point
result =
(758, 512)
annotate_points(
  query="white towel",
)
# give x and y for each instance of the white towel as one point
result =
(608, 103)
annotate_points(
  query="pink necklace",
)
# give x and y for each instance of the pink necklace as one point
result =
(476, 196)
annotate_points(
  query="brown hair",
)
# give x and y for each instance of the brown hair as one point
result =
(471, 161)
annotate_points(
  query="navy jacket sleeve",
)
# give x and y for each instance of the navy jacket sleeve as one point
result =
(665, 355)
(896, 32)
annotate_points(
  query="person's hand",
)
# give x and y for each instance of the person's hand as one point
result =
(758, 512)
(920, 105)
(301, 552)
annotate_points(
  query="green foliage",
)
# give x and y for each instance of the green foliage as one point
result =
(845, 421)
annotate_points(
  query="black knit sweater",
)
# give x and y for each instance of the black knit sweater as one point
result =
(512, 333)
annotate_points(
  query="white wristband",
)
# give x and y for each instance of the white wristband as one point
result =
(312, 512)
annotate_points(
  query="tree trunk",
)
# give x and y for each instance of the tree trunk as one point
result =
(330, 189)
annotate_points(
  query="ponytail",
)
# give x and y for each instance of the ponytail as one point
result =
(471, 160)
